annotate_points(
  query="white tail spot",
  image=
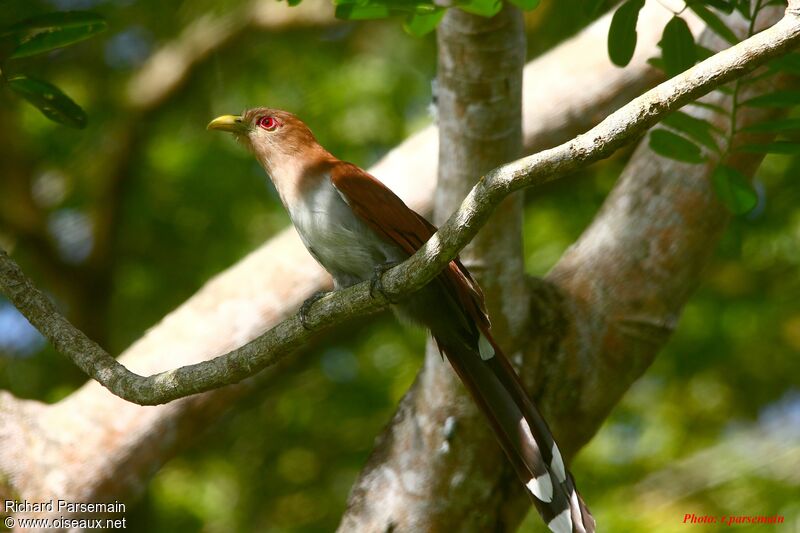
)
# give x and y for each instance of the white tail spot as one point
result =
(541, 487)
(557, 464)
(562, 523)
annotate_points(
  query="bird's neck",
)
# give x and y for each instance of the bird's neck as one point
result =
(297, 171)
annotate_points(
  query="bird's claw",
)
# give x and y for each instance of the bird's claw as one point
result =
(307, 305)
(376, 283)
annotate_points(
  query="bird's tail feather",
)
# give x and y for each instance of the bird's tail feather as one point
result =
(522, 432)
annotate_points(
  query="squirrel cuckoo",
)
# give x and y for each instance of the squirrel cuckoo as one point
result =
(355, 227)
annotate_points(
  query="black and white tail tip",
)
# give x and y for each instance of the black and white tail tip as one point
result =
(561, 506)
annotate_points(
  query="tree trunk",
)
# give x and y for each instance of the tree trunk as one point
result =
(449, 449)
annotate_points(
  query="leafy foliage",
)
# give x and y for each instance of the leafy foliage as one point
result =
(733, 189)
(690, 139)
(37, 35)
(49, 99)
(675, 146)
(622, 33)
(421, 16)
(698, 130)
(54, 30)
(678, 49)
(677, 43)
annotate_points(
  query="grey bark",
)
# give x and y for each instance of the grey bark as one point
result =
(441, 444)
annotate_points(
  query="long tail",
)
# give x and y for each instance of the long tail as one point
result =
(522, 432)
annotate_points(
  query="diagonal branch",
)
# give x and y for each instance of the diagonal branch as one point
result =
(619, 129)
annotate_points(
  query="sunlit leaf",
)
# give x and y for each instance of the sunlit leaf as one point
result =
(526, 5)
(775, 126)
(54, 30)
(715, 23)
(622, 32)
(419, 24)
(695, 128)
(672, 145)
(776, 99)
(49, 99)
(776, 147)
(677, 47)
(734, 189)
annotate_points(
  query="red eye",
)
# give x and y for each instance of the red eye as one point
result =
(268, 123)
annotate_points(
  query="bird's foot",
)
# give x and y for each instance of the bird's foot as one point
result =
(376, 283)
(307, 305)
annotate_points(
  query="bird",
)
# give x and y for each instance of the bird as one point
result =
(356, 228)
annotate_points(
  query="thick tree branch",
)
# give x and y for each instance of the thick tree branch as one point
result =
(622, 127)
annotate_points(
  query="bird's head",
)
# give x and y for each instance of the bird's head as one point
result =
(277, 138)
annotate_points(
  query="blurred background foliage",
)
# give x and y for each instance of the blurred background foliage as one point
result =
(125, 219)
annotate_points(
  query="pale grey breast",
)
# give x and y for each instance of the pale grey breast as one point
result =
(341, 242)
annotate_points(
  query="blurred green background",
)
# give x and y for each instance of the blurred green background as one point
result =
(124, 220)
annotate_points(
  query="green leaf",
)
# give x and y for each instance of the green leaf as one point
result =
(715, 23)
(674, 146)
(49, 99)
(776, 99)
(695, 128)
(744, 8)
(734, 189)
(593, 7)
(775, 126)
(483, 8)
(54, 30)
(702, 52)
(357, 12)
(622, 33)
(526, 5)
(677, 47)
(419, 24)
(776, 147)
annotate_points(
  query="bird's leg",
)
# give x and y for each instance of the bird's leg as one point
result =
(307, 305)
(376, 283)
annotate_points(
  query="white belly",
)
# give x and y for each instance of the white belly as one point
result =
(343, 244)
